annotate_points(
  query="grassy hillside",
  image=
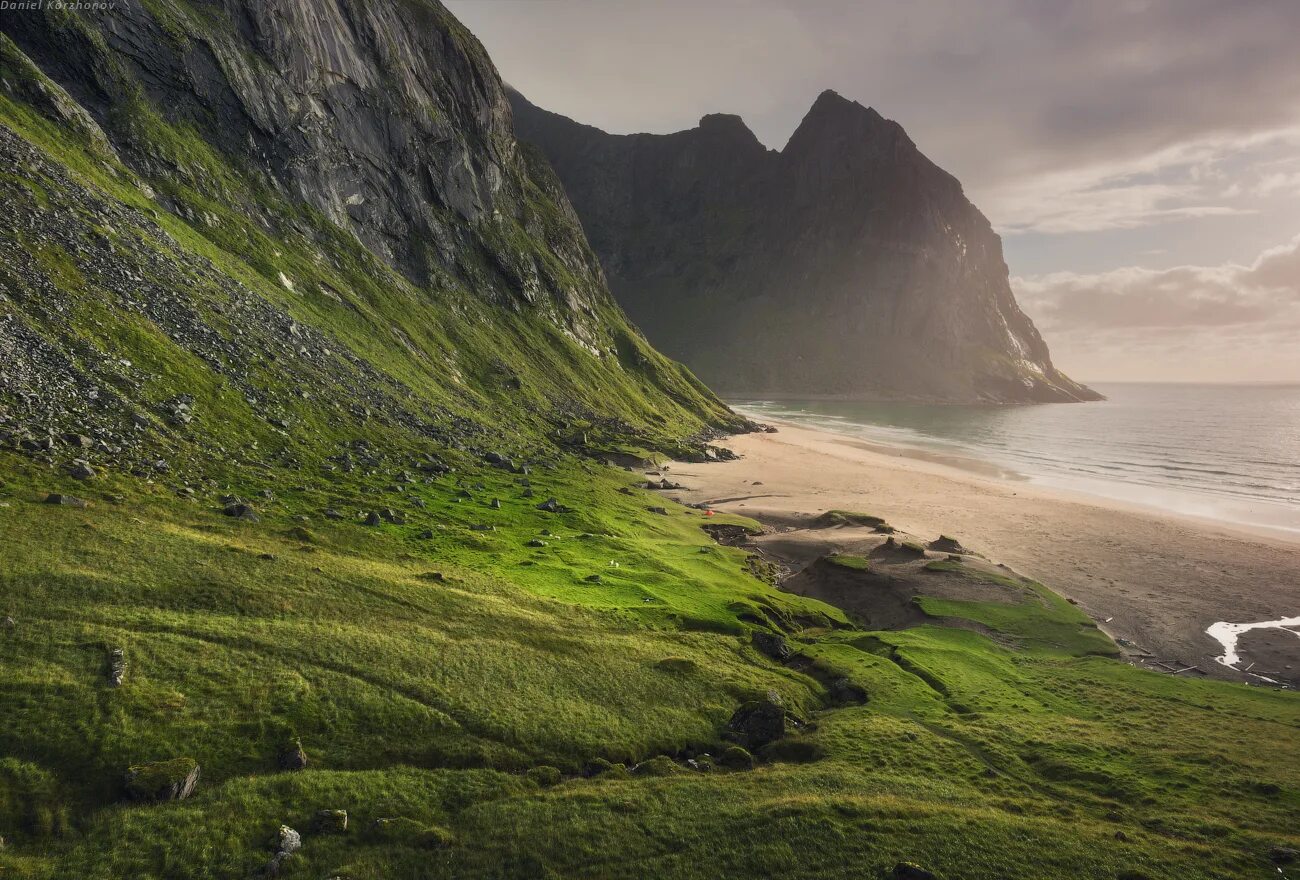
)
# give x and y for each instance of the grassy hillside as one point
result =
(316, 518)
(433, 680)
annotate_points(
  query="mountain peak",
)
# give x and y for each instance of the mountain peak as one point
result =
(727, 125)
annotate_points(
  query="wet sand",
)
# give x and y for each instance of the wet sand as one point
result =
(1153, 580)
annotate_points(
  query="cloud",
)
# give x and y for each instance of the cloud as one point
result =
(1229, 321)
(1043, 110)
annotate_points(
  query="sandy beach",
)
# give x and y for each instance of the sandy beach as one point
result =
(1154, 581)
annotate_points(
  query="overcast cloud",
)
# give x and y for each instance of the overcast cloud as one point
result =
(1115, 141)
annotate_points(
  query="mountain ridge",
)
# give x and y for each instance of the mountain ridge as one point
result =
(845, 264)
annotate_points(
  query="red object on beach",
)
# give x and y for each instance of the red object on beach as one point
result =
(708, 513)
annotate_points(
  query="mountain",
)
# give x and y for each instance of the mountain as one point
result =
(845, 264)
(297, 214)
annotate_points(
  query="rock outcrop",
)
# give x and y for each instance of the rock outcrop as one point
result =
(845, 264)
(295, 213)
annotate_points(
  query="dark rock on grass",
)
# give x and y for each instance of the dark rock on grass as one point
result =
(495, 504)
(1283, 855)
(482, 527)
(593, 579)
(330, 821)
(425, 534)
(736, 758)
(81, 470)
(374, 519)
(659, 765)
(545, 775)
(550, 505)
(945, 544)
(910, 871)
(8, 623)
(172, 780)
(757, 723)
(66, 500)
(772, 644)
(116, 667)
(294, 757)
(659, 510)
(433, 576)
(239, 510)
(536, 542)
(527, 493)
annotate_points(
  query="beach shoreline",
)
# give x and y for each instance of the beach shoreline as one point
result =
(1153, 580)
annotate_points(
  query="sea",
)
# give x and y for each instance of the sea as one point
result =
(1229, 453)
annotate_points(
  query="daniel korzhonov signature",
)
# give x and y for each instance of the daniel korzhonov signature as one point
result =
(61, 5)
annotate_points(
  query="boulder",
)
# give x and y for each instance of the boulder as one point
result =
(331, 821)
(757, 723)
(65, 500)
(116, 667)
(945, 544)
(239, 510)
(550, 505)
(1283, 855)
(172, 780)
(294, 757)
(81, 470)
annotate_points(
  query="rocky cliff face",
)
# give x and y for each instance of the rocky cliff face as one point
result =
(845, 264)
(298, 219)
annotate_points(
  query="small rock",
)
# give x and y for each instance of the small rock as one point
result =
(239, 510)
(8, 622)
(289, 841)
(425, 534)
(910, 871)
(294, 757)
(331, 821)
(536, 542)
(659, 510)
(116, 666)
(550, 505)
(331, 513)
(495, 504)
(374, 519)
(65, 500)
(172, 780)
(1283, 855)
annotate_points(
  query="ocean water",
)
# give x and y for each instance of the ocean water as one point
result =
(1226, 452)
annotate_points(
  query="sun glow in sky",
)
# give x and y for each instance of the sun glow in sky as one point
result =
(1141, 158)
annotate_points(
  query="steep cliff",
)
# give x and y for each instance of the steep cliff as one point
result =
(301, 220)
(845, 264)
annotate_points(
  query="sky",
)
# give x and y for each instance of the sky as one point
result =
(1140, 158)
